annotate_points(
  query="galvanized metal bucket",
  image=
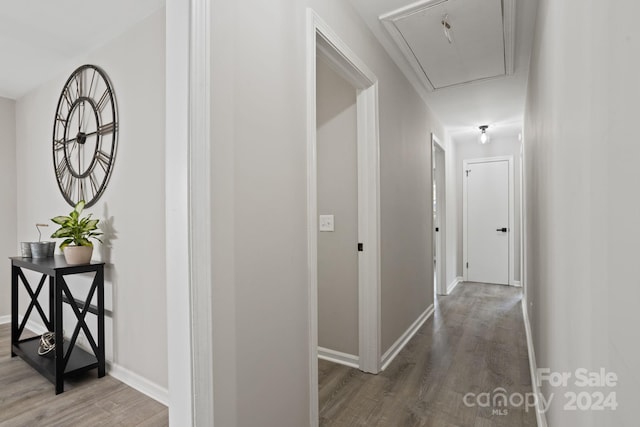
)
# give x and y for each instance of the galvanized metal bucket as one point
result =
(25, 249)
(39, 249)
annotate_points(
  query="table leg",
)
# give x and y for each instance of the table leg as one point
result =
(14, 308)
(52, 297)
(59, 337)
(100, 355)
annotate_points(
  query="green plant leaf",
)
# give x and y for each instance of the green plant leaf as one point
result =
(63, 232)
(83, 242)
(92, 224)
(65, 244)
(79, 207)
(60, 220)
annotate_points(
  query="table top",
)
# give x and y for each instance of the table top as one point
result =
(51, 265)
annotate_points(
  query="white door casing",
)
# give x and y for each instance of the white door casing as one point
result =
(320, 37)
(188, 213)
(439, 241)
(488, 205)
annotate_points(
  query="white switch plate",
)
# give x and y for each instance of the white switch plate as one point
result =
(326, 223)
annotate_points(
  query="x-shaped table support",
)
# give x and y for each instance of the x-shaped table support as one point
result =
(80, 316)
(34, 303)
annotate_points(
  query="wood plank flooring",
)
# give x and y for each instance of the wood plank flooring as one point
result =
(474, 343)
(28, 399)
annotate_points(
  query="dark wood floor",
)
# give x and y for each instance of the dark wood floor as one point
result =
(474, 343)
(28, 399)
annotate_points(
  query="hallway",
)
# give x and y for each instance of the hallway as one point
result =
(474, 343)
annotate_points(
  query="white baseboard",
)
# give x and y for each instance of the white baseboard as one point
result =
(533, 367)
(453, 284)
(393, 351)
(124, 375)
(339, 357)
(141, 384)
(33, 326)
(5, 319)
(516, 283)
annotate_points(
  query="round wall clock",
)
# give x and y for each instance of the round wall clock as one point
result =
(85, 135)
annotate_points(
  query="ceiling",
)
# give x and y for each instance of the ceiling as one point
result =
(481, 76)
(41, 39)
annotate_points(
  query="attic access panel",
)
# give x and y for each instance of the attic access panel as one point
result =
(481, 44)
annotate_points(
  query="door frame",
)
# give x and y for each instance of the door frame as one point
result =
(439, 239)
(321, 37)
(521, 220)
(188, 213)
(511, 225)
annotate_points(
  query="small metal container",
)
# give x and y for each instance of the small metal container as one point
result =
(39, 249)
(51, 249)
(26, 249)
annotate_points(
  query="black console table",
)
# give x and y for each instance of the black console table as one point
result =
(66, 359)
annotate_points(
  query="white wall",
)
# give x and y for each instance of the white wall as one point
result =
(337, 161)
(8, 241)
(466, 148)
(452, 212)
(259, 209)
(582, 201)
(132, 207)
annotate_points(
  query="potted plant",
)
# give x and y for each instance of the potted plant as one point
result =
(77, 232)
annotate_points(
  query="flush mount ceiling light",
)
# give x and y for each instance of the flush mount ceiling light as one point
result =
(484, 137)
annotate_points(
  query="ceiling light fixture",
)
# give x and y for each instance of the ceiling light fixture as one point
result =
(484, 137)
(446, 27)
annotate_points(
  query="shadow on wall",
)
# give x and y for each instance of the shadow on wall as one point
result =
(109, 234)
(110, 274)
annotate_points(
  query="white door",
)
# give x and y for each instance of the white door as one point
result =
(487, 217)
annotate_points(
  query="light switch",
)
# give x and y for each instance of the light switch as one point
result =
(326, 223)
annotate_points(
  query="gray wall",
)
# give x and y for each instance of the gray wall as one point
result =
(132, 207)
(406, 208)
(466, 148)
(8, 237)
(337, 160)
(259, 210)
(583, 204)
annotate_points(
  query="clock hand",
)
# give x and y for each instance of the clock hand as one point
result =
(73, 147)
(76, 138)
(91, 133)
(84, 116)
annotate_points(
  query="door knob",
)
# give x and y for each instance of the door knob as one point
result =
(503, 229)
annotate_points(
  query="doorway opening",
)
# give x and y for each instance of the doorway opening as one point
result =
(323, 42)
(438, 197)
(337, 201)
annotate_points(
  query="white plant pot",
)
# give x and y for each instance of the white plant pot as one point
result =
(75, 255)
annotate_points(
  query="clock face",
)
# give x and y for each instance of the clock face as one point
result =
(85, 135)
